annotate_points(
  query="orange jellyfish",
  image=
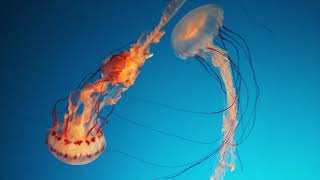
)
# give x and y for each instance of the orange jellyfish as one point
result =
(78, 139)
(194, 36)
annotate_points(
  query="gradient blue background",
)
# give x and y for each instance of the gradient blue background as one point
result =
(47, 47)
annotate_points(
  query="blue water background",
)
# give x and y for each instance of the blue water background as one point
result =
(47, 47)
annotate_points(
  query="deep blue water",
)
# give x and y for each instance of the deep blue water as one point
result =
(47, 47)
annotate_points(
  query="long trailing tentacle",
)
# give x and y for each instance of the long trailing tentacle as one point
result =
(162, 132)
(257, 89)
(236, 69)
(151, 163)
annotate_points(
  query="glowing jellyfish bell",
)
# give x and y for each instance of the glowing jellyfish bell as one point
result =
(196, 31)
(193, 37)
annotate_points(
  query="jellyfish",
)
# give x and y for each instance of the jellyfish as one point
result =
(194, 37)
(76, 138)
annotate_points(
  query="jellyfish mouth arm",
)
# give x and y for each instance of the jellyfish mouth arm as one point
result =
(121, 69)
(227, 152)
(170, 11)
(119, 72)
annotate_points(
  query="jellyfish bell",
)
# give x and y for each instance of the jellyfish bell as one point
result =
(196, 30)
(78, 149)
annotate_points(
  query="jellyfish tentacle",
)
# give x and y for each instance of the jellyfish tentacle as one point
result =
(257, 91)
(241, 80)
(135, 123)
(235, 68)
